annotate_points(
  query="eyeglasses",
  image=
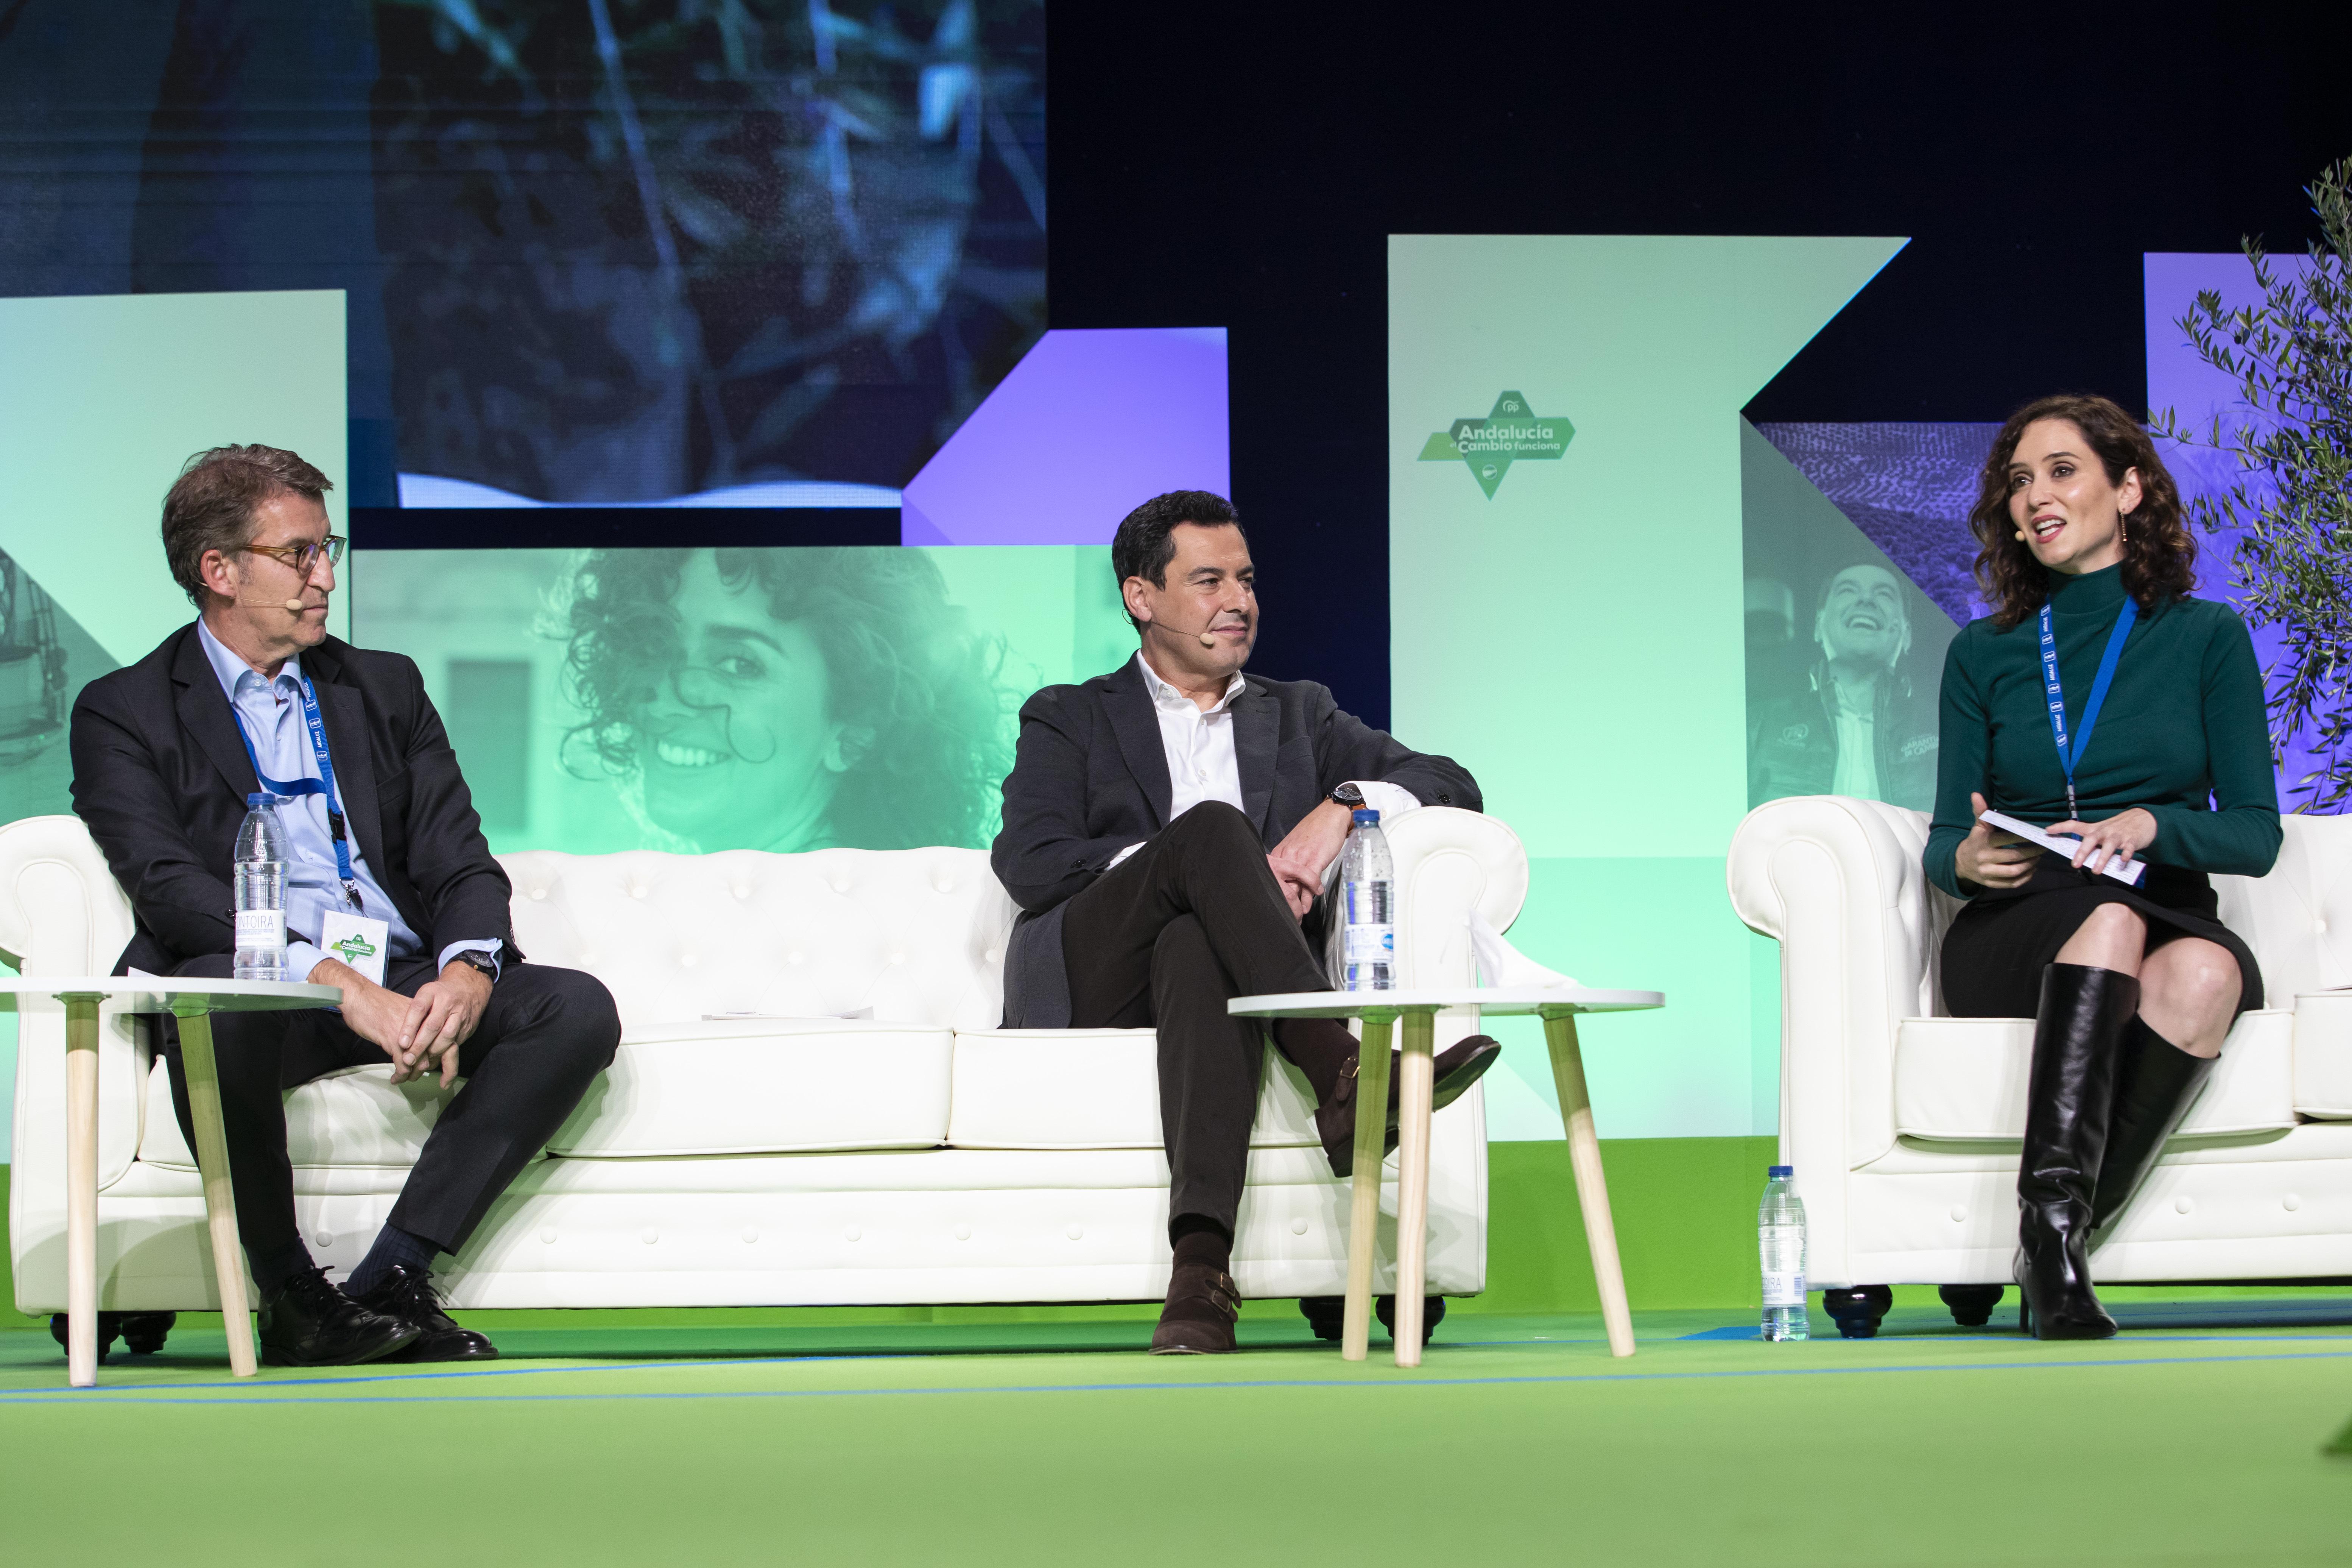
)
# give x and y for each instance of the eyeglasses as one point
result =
(303, 558)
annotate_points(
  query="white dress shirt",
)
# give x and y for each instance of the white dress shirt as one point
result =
(1202, 765)
(270, 714)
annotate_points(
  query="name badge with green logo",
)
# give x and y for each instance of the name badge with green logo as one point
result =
(356, 940)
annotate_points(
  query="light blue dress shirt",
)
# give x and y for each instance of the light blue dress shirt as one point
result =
(270, 712)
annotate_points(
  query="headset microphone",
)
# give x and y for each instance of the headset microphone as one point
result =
(294, 605)
(1207, 641)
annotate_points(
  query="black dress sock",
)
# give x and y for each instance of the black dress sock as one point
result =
(1320, 1047)
(1200, 1239)
(392, 1245)
(272, 1269)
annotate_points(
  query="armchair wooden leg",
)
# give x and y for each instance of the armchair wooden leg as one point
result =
(1415, 1091)
(1364, 1218)
(81, 1190)
(1592, 1184)
(220, 1199)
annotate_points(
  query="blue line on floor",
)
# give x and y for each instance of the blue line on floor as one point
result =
(166, 1396)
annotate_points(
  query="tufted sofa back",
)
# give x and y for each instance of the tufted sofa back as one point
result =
(2298, 919)
(916, 935)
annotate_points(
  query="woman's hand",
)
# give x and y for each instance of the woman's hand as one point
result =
(1991, 859)
(2116, 840)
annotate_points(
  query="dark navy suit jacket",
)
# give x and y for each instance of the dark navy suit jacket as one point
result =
(1090, 777)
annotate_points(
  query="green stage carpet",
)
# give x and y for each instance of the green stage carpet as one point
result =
(2198, 1437)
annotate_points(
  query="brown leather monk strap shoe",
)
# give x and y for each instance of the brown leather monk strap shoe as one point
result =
(1198, 1316)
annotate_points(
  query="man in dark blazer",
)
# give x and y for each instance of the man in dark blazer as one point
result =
(379, 823)
(1166, 829)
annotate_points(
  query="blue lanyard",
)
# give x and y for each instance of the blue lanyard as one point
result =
(292, 787)
(2069, 756)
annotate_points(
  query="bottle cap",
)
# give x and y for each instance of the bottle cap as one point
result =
(256, 801)
(1777, 1171)
(1364, 814)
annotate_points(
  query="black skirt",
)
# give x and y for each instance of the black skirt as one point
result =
(2001, 943)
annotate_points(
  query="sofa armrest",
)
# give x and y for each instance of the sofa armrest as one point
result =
(1838, 882)
(1448, 862)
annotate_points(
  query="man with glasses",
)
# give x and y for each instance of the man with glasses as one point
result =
(256, 697)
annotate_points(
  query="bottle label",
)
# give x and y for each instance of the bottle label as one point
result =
(1371, 944)
(261, 928)
(1784, 1288)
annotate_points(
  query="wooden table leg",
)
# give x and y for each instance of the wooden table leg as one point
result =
(81, 1190)
(1414, 1091)
(1364, 1220)
(1591, 1185)
(220, 1199)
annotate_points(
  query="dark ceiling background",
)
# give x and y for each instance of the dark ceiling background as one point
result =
(1217, 163)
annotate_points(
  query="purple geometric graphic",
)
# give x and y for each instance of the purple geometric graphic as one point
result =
(1908, 488)
(1088, 424)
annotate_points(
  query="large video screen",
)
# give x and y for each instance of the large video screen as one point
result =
(739, 698)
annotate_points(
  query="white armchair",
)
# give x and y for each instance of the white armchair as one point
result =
(1904, 1125)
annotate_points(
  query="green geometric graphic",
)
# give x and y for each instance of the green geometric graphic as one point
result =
(1490, 445)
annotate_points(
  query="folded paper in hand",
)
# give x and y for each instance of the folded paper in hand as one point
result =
(2128, 872)
(1500, 964)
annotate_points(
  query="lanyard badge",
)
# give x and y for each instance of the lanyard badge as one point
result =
(2069, 756)
(324, 784)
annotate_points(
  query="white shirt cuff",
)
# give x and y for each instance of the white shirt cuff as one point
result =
(1124, 854)
(491, 945)
(302, 957)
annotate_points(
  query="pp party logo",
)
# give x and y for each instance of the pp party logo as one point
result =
(1512, 433)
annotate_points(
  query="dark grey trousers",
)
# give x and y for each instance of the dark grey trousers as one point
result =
(1164, 940)
(542, 1041)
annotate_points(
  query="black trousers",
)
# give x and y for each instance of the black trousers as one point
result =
(1164, 940)
(542, 1041)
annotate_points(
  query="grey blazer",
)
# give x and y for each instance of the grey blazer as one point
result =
(1090, 777)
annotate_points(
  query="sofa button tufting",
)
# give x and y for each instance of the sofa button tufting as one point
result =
(649, 1235)
(1298, 1225)
(898, 958)
(792, 958)
(964, 1233)
(1959, 1213)
(547, 1236)
(1075, 1233)
(2291, 1202)
(2319, 926)
(750, 1236)
(943, 887)
(994, 955)
(741, 892)
(322, 1239)
(850, 1233)
(638, 891)
(686, 960)
(841, 884)
(538, 892)
(2183, 1204)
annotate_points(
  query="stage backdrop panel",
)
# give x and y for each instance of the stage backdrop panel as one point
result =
(740, 698)
(1566, 562)
(101, 399)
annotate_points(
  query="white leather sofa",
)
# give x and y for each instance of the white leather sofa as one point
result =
(1905, 1126)
(917, 1155)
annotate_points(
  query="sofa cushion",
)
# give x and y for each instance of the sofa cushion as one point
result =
(2322, 1055)
(1965, 1079)
(914, 935)
(764, 1086)
(1092, 1088)
(355, 1118)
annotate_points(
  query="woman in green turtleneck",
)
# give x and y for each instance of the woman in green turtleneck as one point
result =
(2132, 988)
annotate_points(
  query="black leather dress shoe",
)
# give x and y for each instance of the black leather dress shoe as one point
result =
(408, 1295)
(1456, 1069)
(1198, 1316)
(308, 1322)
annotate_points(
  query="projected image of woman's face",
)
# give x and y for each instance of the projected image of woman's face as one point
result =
(738, 749)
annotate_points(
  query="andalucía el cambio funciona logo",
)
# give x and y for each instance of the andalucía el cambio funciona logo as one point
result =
(1512, 433)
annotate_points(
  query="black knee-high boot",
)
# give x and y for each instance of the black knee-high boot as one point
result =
(2155, 1083)
(2076, 1037)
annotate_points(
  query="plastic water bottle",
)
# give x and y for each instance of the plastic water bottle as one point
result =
(1368, 883)
(260, 876)
(1780, 1238)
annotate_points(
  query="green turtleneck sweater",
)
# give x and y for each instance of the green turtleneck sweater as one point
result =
(2183, 734)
